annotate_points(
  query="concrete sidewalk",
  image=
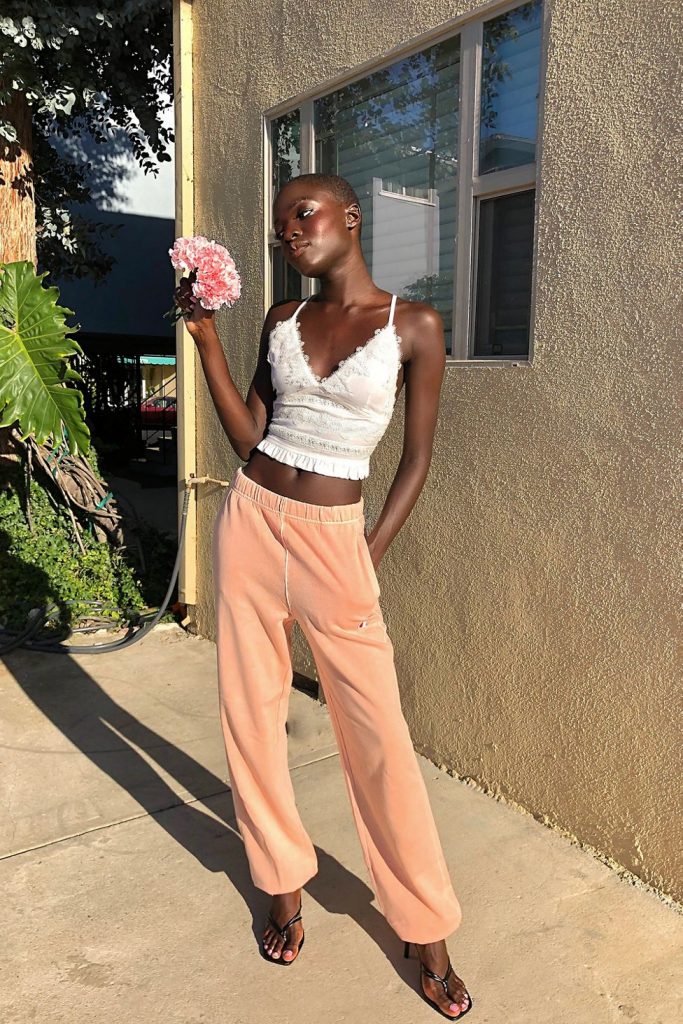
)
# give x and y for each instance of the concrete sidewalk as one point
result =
(127, 896)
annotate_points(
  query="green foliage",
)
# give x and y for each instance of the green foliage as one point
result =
(86, 71)
(43, 564)
(160, 553)
(34, 372)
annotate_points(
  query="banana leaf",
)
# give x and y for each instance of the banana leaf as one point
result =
(34, 372)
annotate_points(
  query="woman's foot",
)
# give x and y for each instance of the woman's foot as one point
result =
(283, 907)
(455, 1001)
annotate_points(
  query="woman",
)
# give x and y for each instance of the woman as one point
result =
(290, 545)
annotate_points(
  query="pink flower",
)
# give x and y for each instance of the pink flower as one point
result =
(217, 282)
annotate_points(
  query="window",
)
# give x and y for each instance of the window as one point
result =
(440, 146)
(285, 146)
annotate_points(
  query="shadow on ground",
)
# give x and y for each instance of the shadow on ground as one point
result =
(108, 735)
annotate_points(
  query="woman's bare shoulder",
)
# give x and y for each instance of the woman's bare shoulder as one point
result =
(419, 325)
(279, 311)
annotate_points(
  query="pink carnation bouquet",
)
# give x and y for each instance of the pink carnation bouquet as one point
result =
(213, 276)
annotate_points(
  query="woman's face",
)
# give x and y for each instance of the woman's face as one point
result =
(313, 227)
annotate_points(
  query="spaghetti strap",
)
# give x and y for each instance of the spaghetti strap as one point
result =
(393, 307)
(296, 313)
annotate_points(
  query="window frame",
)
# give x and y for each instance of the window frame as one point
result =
(473, 188)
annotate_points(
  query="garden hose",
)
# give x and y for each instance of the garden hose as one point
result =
(37, 617)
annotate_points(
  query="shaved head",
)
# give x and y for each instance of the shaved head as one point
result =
(339, 188)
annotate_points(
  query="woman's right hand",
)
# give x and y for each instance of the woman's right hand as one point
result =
(200, 322)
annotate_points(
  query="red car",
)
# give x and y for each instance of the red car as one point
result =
(157, 412)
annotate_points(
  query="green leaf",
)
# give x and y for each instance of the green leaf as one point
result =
(34, 347)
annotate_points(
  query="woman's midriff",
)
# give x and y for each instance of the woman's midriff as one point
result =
(300, 484)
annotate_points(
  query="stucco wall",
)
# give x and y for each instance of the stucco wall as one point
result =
(530, 595)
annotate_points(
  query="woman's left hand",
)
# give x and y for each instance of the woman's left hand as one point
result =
(375, 554)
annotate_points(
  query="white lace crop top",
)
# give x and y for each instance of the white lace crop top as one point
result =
(331, 425)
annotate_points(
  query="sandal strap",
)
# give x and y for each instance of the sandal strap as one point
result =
(436, 977)
(282, 929)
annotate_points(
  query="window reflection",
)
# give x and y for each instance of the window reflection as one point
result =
(285, 139)
(286, 279)
(394, 137)
(509, 88)
(504, 267)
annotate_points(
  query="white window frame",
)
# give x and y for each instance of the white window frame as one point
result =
(473, 188)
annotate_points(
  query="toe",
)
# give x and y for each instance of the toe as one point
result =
(271, 944)
(291, 949)
(458, 1004)
(459, 999)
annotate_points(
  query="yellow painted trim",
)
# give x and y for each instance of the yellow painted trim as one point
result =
(185, 349)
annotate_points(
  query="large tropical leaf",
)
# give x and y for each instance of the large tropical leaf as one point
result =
(34, 372)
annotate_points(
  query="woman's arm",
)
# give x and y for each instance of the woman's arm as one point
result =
(244, 422)
(423, 373)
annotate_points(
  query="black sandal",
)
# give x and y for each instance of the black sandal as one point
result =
(282, 931)
(444, 982)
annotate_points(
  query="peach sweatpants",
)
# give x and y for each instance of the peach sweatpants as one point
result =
(277, 560)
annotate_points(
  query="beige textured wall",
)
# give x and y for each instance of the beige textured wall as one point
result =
(535, 640)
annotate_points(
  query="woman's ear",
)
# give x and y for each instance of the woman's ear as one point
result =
(353, 216)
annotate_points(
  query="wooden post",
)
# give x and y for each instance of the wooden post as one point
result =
(185, 347)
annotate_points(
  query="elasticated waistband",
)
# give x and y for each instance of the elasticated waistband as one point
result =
(291, 506)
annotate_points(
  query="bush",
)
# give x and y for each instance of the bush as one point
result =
(44, 564)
